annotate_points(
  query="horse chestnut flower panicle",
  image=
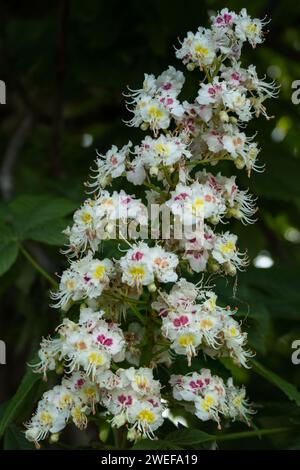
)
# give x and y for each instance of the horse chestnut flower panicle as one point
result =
(135, 309)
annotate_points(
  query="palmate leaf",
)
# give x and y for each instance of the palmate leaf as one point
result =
(287, 388)
(189, 437)
(194, 438)
(8, 255)
(29, 212)
(37, 218)
(19, 400)
(147, 444)
(14, 439)
(49, 233)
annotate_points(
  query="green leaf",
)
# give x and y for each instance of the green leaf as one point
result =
(16, 403)
(188, 437)
(286, 387)
(8, 255)
(29, 212)
(14, 439)
(147, 444)
(50, 234)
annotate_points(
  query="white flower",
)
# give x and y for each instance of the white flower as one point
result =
(225, 251)
(210, 396)
(197, 49)
(224, 19)
(108, 166)
(146, 418)
(86, 278)
(157, 102)
(248, 29)
(142, 264)
(165, 150)
(196, 202)
(136, 174)
(73, 400)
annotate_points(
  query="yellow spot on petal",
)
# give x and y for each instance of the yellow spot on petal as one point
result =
(200, 50)
(96, 358)
(251, 28)
(197, 204)
(155, 112)
(141, 381)
(99, 271)
(186, 340)
(206, 324)
(70, 284)
(162, 148)
(45, 418)
(137, 272)
(146, 415)
(86, 217)
(233, 331)
(227, 247)
(208, 402)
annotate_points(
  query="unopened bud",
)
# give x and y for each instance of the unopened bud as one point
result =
(104, 432)
(144, 126)
(230, 269)
(223, 116)
(190, 67)
(133, 435)
(54, 438)
(214, 219)
(105, 181)
(152, 287)
(239, 163)
(59, 369)
(213, 266)
(153, 171)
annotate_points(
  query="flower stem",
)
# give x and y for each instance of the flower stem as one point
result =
(38, 267)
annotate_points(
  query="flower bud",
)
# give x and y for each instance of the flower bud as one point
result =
(105, 181)
(153, 171)
(190, 67)
(59, 369)
(133, 435)
(223, 116)
(144, 126)
(213, 266)
(214, 219)
(104, 432)
(152, 287)
(54, 438)
(233, 120)
(230, 269)
(239, 163)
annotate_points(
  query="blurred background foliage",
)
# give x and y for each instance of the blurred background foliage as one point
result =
(65, 65)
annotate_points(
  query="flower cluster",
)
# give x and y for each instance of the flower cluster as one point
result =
(98, 219)
(138, 308)
(142, 265)
(156, 103)
(213, 252)
(72, 401)
(210, 396)
(85, 278)
(90, 345)
(191, 326)
(132, 396)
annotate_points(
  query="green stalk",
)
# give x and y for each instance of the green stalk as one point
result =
(38, 267)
